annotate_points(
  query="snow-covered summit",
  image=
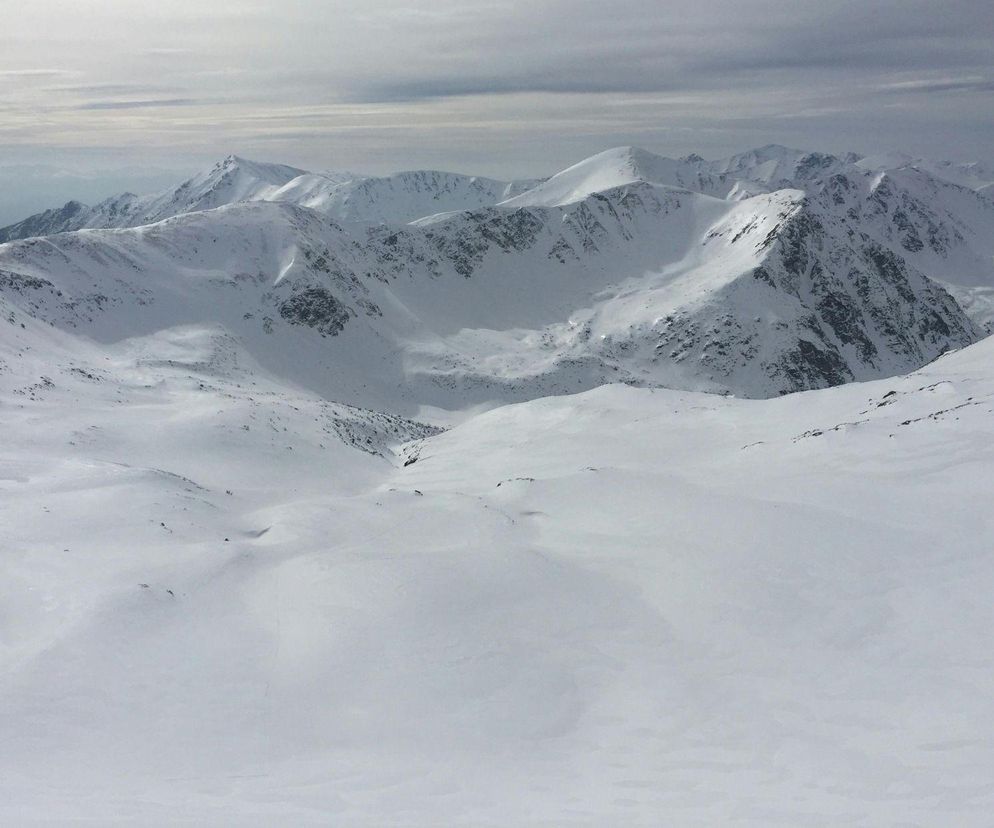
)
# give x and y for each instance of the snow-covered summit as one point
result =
(604, 171)
(231, 180)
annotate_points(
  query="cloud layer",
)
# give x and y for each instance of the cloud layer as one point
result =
(497, 86)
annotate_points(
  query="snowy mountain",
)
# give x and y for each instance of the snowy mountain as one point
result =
(397, 499)
(616, 269)
(346, 197)
(774, 167)
(610, 170)
(973, 175)
(71, 216)
(399, 198)
(229, 181)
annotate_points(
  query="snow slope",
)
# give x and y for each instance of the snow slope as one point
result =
(627, 606)
(629, 165)
(399, 198)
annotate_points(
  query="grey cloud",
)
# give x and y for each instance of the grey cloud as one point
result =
(406, 91)
(112, 89)
(97, 105)
(516, 84)
(640, 46)
(28, 74)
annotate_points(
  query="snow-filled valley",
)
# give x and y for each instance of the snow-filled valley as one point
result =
(402, 501)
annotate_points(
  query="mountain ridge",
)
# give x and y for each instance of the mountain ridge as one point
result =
(627, 266)
(609, 271)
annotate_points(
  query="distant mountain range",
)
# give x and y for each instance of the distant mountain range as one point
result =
(769, 272)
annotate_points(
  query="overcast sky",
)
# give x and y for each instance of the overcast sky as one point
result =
(499, 87)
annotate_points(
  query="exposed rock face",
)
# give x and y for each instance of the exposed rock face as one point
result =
(67, 217)
(316, 308)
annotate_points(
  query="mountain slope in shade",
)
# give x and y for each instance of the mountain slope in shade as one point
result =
(775, 166)
(945, 230)
(70, 216)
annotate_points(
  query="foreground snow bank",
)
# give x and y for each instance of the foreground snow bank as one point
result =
(622, 607)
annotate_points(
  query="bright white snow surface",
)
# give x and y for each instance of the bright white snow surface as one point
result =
(624, 607)
(234, 590)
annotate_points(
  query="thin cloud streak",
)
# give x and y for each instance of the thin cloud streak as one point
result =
(948, 85)
(164, 102)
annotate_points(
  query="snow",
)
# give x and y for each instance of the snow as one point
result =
(396, 199)
(604, 171)
(231, 180)
(625, 605)
(340, 195)
(248, 578)
(643, 283)
(971, 174)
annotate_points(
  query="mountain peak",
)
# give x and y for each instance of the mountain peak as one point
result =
(606, 170)
(263, 170)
